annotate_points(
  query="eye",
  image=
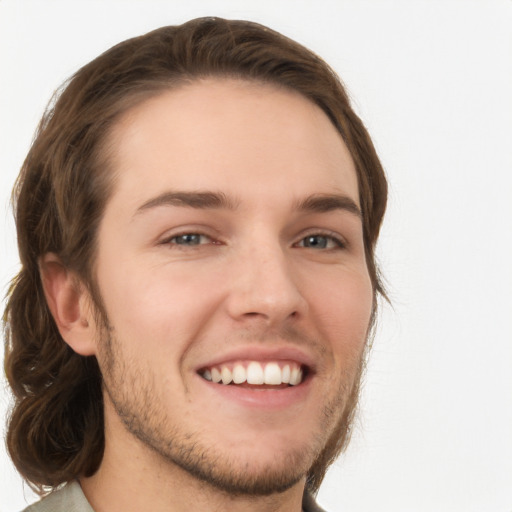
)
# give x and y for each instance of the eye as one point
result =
(321, 241)
(188, 239)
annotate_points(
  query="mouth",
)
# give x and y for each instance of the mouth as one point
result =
(256, 374)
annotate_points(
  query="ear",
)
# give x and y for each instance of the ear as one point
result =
(69, 303)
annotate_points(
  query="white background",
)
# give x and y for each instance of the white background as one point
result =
(433, 82)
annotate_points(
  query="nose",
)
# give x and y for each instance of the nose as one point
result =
(265, 287)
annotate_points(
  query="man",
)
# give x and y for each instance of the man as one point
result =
(197, 220)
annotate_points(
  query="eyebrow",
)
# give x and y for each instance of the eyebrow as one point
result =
(199, 200)
(319, 203)
(322, 203)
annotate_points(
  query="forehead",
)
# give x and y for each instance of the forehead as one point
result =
(235, 136)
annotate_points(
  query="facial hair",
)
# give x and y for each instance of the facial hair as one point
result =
(131, 391)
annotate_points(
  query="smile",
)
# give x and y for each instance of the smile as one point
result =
(270, 373)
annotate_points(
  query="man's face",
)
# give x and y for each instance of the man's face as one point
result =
(231, 246)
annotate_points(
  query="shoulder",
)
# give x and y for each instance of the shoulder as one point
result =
(69, 498)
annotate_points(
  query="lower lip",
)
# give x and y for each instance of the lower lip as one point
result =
(261, 398)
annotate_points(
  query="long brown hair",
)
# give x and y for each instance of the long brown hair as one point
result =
(55, 431)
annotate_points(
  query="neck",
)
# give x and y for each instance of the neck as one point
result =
(132, 477)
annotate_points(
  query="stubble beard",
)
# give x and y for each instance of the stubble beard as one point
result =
(132, 396)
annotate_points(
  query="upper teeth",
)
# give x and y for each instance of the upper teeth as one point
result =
(271, 373)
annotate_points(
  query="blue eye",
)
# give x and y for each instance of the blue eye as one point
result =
(320, 242)
(189, 239)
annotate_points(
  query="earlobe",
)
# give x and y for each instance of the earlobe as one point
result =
(68, 301)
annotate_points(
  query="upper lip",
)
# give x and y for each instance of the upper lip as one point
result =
(261, 354)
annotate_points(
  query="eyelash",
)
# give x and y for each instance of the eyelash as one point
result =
(335, 240)
(172, 240)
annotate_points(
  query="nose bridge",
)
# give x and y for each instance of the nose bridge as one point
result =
(264, 283)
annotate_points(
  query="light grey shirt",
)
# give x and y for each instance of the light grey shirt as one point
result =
(68, 499)
(71, 499)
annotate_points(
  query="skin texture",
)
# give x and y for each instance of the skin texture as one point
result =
(266, 280)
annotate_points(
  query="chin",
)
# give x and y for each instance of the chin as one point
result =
(247, 477)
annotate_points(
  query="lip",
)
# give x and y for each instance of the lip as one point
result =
(258, 398)
(269, 399)
(261, 354)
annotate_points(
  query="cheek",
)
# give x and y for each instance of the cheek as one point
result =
(343, 312)
(156, 304)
